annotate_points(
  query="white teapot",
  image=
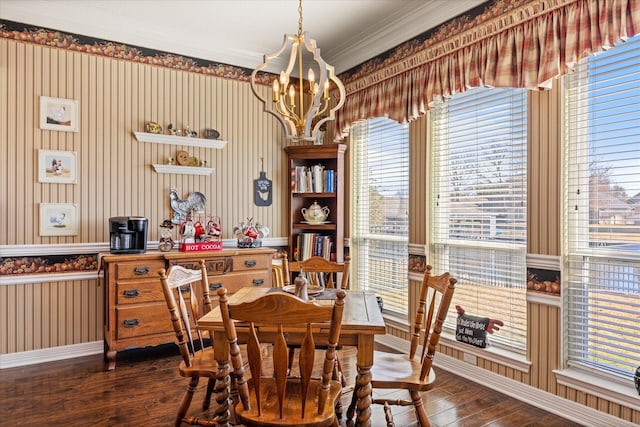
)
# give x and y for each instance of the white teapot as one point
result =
(315, 213)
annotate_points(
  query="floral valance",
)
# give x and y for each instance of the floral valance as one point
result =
(515, 43)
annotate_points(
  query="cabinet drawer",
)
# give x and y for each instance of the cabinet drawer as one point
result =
(251, 262)
(134, 292)
(140, 320)
(139, 269)
(235, 281)
(217, 265)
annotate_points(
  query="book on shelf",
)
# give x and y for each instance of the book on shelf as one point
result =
(314, 179)
(312, 244)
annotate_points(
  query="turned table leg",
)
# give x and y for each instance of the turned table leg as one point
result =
(223, 379)
(363, 381)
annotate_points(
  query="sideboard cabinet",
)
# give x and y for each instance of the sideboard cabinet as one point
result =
(136, 314)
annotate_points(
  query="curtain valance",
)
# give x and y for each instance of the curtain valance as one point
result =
(525, 47)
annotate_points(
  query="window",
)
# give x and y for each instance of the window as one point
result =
(380, 220)
(602, 211)
(479, 205)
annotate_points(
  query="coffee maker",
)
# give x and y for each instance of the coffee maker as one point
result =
(128, 234)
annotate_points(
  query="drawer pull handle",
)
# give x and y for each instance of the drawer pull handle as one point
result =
(131, 323)
(250, 263)
(184, 289)
(131, 293)
(215, 286)
(258, 282)
(141, 270)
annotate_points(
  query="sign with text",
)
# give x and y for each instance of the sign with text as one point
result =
(472, 330)
(200, 246)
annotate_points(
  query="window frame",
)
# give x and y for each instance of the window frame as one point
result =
(576, 218)
(359, 132)
(441, 242)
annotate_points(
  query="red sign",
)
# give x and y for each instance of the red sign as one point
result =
(200, 246)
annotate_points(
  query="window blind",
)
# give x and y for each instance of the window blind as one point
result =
(380, 222)
(479, 206)
(602, 211)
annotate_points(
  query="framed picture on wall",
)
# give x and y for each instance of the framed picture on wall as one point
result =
(58, 114)
(58, 219)
(57, 166)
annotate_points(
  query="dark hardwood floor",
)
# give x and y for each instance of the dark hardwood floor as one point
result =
(145, 390)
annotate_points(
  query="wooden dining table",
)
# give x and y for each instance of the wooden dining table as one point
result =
(361, 321)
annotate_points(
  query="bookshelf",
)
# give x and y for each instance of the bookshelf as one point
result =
(316, 175)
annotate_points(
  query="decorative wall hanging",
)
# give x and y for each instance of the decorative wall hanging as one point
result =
(58, 219)
(57, 166)
(262, 188)
(58, 114)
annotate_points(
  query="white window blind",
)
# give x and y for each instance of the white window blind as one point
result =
(479, 206)
(602, 211)
(379, 200)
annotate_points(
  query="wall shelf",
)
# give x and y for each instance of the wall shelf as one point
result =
(182, 170)
(159, 138)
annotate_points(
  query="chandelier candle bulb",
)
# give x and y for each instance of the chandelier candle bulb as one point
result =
(292, 96)
(311, 78)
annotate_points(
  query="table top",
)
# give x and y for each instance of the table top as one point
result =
(361, 311)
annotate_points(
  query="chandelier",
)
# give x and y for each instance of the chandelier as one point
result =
(301, 106)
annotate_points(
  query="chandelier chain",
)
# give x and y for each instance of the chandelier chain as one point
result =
(300, 18)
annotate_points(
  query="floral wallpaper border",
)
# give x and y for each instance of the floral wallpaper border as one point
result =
(79, 43)
(53, 38)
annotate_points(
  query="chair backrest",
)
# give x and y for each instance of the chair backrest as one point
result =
(435, 298)
(276, 317)
(182, 290)
(319, 271)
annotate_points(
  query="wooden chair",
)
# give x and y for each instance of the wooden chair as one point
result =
(319, 271)
(399, 371)
(275, 398)
(182, 290)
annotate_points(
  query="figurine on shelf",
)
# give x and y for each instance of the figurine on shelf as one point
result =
(190, 133)
(172, 130)
(152, 127)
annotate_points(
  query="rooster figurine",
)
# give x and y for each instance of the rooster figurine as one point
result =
(184, 208)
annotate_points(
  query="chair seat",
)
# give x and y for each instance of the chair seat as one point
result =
(396, 370)
(292, 409)
(203, 365)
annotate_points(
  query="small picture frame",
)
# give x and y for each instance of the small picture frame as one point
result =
(58, 219)
(57, 166)
(58, 114)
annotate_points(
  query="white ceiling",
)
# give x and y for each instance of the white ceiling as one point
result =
(240, 32)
